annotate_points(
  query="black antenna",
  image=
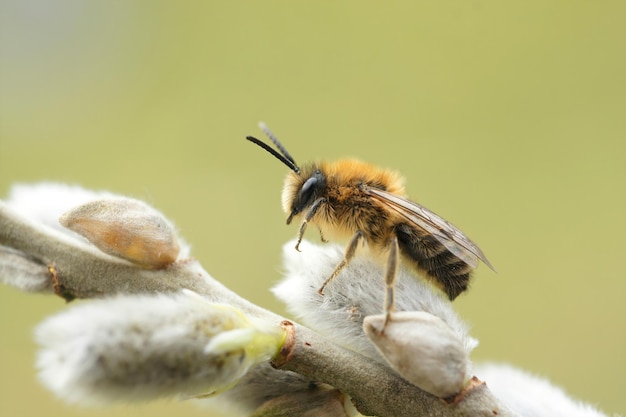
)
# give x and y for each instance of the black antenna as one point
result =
(283, 156)
(274, 139)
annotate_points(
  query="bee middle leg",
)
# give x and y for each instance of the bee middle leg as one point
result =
(322, 235)
(350, 250)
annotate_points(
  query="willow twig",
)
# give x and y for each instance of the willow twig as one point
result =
(83, 271)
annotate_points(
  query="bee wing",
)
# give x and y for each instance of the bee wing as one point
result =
(445, 232)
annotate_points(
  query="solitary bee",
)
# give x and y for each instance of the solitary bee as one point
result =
(350, 198)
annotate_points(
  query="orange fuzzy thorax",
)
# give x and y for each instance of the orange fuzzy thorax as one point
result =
(348, 207)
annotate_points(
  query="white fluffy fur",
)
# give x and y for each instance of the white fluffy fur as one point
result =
(358, 291)
(20, 271)
(132, 348)
(529, 395)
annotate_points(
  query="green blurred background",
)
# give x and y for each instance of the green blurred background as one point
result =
(507, 118)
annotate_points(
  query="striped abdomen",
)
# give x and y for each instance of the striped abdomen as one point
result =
(425, 253)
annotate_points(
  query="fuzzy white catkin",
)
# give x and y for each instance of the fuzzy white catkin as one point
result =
(133, 348)
(529, 395)
(358, 291)
(21, 271)
(45, 202)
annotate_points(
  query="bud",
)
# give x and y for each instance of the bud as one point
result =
(133, 348)
(126, 228)
(422, 349)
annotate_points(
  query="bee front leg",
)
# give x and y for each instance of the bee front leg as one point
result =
(390, 279)
(307, 218)
(350, 250)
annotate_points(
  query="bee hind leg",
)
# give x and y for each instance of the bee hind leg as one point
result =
(350, 250)
(390, 279)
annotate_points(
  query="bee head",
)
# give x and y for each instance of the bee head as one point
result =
(301, 188)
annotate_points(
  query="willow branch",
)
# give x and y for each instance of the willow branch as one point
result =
(80, 271)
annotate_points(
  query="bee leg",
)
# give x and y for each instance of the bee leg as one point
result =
(307, 218)
(301, 234)
(322, 235)
(350, 250)
(390, 279)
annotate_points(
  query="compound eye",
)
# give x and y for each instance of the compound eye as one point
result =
(306, 192)
(308, 185)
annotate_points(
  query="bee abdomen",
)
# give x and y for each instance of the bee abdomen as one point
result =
(427, 254)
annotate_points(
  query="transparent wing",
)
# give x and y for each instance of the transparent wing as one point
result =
(445, 232)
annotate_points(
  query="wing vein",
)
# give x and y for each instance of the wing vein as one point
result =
(445, 232)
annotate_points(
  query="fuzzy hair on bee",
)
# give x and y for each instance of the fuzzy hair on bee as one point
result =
(359, 201)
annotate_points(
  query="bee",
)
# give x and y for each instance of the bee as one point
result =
(354, 199)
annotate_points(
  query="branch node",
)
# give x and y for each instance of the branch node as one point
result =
(57, 286)
(473, 384)
(286, 351)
